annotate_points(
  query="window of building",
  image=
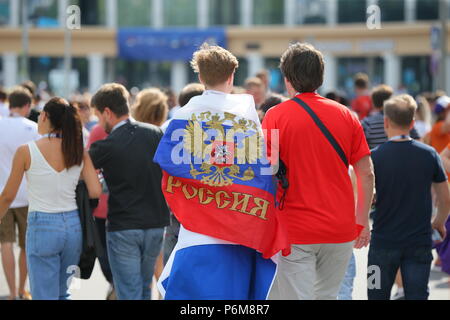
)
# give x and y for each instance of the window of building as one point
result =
(41, 14)
(427, 9)
(276, 80)
(224, 12)
(93, 12)
(142, 74)
(392, 10)
(314, 11)
(268, 12)
(4, 12)
(180, 12)
(134, 13)
(41, 72)
(348, 67)
(416, 75)
(242, 72)
(350, 11)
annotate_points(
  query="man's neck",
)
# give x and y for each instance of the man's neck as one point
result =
(119, 120)
(391, 133)
(221, 88)
(19, 111)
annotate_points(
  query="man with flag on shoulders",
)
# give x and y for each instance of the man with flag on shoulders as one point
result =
(218, 183)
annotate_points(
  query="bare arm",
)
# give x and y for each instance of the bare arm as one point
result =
(366, 183)
(90, 177)
(15, 179)
(445, 156)
(443, 205)
(446, 125)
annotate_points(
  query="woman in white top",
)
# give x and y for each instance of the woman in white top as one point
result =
(53, 165)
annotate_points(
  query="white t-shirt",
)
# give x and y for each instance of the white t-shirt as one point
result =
(15, 132)
(4, 110)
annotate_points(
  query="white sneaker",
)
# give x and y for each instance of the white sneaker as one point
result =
(436, 268)
(399, 295)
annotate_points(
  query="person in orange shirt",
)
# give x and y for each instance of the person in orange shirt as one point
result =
(440, 134)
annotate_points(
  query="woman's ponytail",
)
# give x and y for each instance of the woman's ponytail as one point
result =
(65, 120)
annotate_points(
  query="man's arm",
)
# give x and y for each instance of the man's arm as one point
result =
(446, 125)
(443, 205)
(98, 153)
(366, 183)
(445, 156)
(15, 179)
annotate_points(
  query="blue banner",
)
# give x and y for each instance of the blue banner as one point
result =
(172, 44)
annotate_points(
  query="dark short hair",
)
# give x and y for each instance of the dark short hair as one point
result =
(113, 96)
(401, 110)
(303, 66)
(361, 81)
(19, 98)
(272, 101)
(332, 96)
(381, 94)
(190, 91)
(3, 95)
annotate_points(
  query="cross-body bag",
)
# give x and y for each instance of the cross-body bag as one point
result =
(281, 175)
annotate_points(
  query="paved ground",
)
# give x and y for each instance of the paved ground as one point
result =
(96, 288)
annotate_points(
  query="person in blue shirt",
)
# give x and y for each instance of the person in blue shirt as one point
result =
(405, 171)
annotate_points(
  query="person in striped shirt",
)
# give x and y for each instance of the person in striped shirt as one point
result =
(374, 124)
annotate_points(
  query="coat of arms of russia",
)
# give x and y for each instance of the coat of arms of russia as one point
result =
(223, 148)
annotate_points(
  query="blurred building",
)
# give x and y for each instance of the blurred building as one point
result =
(257, 31)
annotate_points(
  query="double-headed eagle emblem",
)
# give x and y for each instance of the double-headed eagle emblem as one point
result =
(221, 145)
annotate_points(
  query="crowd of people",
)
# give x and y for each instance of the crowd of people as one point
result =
(370, 170)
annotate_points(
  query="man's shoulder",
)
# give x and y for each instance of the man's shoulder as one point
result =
(16, 124)
(281, 108)
(418, 146)
(373, 118)
(424, 147)
(147, 128)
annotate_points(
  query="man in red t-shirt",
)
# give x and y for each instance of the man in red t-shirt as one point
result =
(319, 205)
(362, 104)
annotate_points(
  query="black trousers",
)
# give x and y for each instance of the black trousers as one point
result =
(104, 262)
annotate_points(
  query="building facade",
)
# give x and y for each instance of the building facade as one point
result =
(399, 52)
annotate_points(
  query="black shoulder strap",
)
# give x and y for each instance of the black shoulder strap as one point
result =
(324, 130)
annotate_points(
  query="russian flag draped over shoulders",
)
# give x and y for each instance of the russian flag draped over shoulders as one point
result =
(218, 183)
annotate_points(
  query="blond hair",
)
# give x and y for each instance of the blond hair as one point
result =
(151, 107)
(253, 82)
(214, 64)
(401, 110)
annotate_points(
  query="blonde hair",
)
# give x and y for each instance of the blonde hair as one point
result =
(214, 64)
(254, 82)
(151, 106)
(423, 110)
(401, 110)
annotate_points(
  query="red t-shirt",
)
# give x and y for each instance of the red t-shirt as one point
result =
(362, 106)
(319, 204)
(98, 133)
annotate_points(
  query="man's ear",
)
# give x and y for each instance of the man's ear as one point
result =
(107, 112)
(386, 123)
(230, 80)
(413, 123)
(201, 80)
(289, 88)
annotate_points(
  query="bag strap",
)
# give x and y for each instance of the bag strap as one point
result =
(324, 130)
